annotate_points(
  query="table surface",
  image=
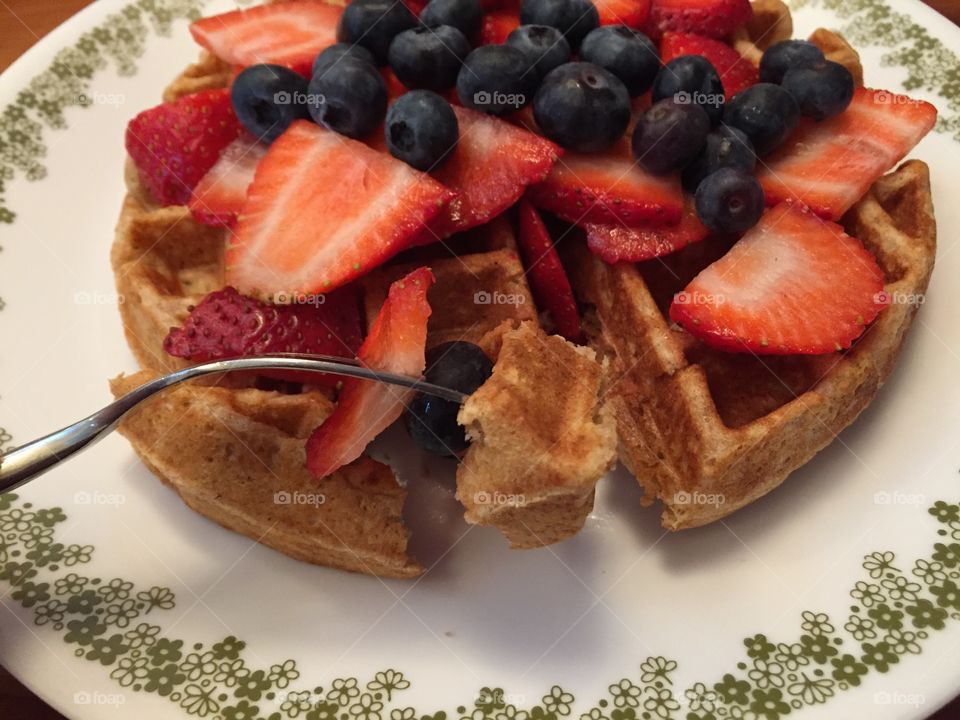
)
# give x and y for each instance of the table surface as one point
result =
(23, 23)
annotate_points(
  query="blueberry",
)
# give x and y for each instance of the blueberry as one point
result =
(786, 55)
(351, 98)
(496, 79)
(822, 90)
(730, 201)
(627, 53)
(465, 15)
(331, 56)
(691, 79)
(421, 129)
(432, 422)
(428, 58)
(374, 24)
(582, 107)
(725, 147)
(267, 98)
(669, 135)
(544, 46)
(574, 18)
(767, 113)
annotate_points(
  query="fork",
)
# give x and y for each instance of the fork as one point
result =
(29, 461)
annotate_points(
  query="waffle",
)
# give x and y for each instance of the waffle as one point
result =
(707, 432)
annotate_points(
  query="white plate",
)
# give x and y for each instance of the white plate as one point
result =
(129, 595)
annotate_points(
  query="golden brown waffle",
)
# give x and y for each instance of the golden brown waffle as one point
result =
(540, 440)
(707, 432)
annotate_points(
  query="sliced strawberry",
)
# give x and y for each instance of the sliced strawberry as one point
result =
(396, 344)
(492, 166)
(220, 194)
(227, 324)
(736, 72)
(608, 188)
(497, 26)
(711, 18)
(288, 33)
(794, 284)
(829, 165)
(632, 13)
(174, 145)
(548, 280)
(324, 209)
(616, 243)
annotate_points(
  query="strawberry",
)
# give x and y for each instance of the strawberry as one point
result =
(220, 194)
(736, 72)
(497, 26)
(288, 33)
(616, 243)
(548, 279)
(711, 18)
(415, 6)
(829, 165)
(492, 166)
(608, 188)
(227, 324)
(794, 284)
(632, 13)
(324, 209)
(174, 145)
(396, 344)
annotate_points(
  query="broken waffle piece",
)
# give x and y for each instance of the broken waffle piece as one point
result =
(533, 464)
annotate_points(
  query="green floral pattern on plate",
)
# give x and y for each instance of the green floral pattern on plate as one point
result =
(111, 622)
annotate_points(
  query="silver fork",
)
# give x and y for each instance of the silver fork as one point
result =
(29, 461)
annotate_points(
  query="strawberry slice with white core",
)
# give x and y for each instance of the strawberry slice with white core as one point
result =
(396, 344)
(324, 209)
(220, 194)
(616, 243)
(493, 164)
(829, 165)
(288, 33)
(795, 284)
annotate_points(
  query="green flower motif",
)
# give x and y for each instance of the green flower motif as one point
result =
(867, 593)
(657, 668)
(625, 694)
(759, 647)
(83, 632)
(324, 711)
(817, 648)
(812, 691)
(49, 517)
(37, 535)
(43, 555)
(929, 572)
(283, 674)
(143, 635)
(130, 670)
(16, 520)
(6, 499)
(766, 674)
(403, 713)
(593, 714)
(623, 714)
(230, 672)
(52, 611)
(164, 680)
(700, 698)
(860, 627)
(902, 642)
(948, 594)
(199, 702)
(198, 665)
(900, 588)
(816, 623)
(847, 668)
(886, 617)
(116, 589)
(948, 555)
(557, 701)
(488, 700)
(699, 716)
(925, 615)
(878, 563)
(367, 707)
(121, 613)
(29, 594)
(70, 584)
(107, 650)
(343, 691)
(299, 702)
(165, 651)
(733, 690)
(791, 656)
(77, 555)
(475, 714)
(510, 712)
(228, 649)
(769, 704)
(241, 711)
(660, 702)
(879, 655)
(17, 573)
(157, 598)
(389, 681)
(253, 686)
(83, 603)
(944, 512)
